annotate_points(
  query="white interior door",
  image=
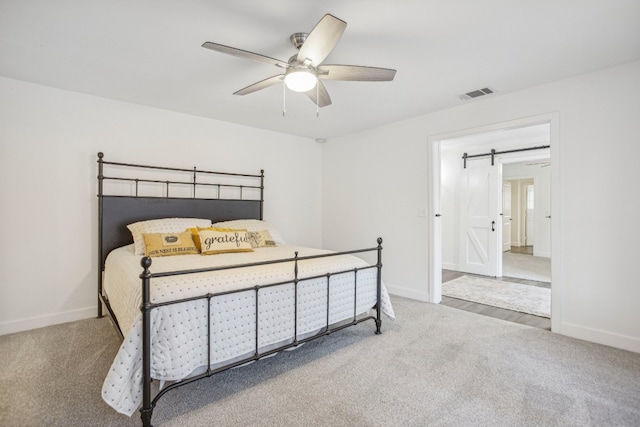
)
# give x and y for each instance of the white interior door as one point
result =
(530, 219)
(506, 216)
(479, 229)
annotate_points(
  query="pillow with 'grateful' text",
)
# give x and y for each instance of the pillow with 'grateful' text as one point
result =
(217, 241)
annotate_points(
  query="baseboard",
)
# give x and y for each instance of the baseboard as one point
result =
(408, 293)
(450, 266)
(21, 325)
(541, 254)
(611, 339)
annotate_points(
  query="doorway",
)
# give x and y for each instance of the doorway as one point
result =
(529, 220)
(443, 253)
(518, 196)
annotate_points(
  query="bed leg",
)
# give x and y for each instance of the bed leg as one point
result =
(146, 414)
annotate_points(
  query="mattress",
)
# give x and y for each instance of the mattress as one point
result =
(179, 331)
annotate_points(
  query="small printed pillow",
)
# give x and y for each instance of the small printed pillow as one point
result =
(215, 241)
(166, 244)
(260, 239)
(253, 225)
(162, 225)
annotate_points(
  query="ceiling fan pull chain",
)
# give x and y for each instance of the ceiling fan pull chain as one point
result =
(317, 99)
(284, 100)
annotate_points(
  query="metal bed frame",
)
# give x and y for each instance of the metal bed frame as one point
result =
(115, 212)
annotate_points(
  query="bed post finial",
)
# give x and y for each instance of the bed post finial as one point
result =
(100, 176)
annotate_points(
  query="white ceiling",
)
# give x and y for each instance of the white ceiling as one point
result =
(149, 52)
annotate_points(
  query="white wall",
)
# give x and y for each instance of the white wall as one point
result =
(450, 171)
(375, 183)
(49, 139)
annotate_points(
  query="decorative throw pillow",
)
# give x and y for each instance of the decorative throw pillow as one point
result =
(166, 244)
(162, 225)
(260, 239)
(217, 242)
(195, 233)
(253, 225)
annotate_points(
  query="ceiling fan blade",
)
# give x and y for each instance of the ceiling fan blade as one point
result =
(322, 39)
(244, 54)
(262, 84)
(355, 73)
(324, 100)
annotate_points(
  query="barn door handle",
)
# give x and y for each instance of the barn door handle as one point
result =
(493, 226)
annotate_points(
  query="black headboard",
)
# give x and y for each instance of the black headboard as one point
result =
(118, 212)
(115, 212)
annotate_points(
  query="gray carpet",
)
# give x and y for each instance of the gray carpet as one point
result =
(526, 267)
(435, 365)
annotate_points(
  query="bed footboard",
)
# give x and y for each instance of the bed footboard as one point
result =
(147, 306)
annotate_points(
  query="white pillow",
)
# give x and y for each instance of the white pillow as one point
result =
(163, 225)
(253, 225)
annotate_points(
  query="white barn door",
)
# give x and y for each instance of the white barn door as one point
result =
(480, 229)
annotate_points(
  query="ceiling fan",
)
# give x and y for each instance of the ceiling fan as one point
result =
(305, 71)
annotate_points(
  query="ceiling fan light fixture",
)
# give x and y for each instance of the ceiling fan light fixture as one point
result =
(300, 79)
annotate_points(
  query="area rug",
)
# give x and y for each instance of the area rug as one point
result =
(512, 296)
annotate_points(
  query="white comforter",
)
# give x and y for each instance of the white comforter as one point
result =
(179, 332)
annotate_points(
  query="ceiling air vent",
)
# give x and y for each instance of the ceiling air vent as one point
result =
(477, 93)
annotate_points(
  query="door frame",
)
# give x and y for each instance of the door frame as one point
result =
(434, 225)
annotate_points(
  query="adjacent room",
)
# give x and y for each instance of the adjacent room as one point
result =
(496, 246)
(319, 213)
